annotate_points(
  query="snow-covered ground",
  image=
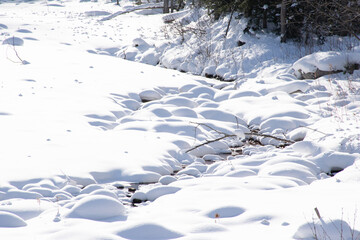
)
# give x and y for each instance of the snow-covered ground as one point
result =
(81, 127)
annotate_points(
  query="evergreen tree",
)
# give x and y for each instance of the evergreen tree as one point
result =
(300, 20)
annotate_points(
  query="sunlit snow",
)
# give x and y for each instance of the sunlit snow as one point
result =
(110, 129)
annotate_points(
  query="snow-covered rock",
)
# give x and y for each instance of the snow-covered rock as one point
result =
(149, 95)
(165, 180)
(159, 191)
(97, 207)
(138, 196)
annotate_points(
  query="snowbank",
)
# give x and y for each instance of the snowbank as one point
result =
(322, 63)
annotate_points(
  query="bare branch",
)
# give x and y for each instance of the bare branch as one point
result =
(208, 142)
(270, 136)
(225, 135)
(204, 124)
(147, 6)
(315, 130)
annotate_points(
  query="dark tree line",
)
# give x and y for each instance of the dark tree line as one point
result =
(300, 20)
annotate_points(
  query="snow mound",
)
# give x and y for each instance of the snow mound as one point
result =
(97, 207)
(148, 231)
(351, 144)
(184, 112)
(324, 61)
(165, 180)
(43, 191)
(11, 220)
(326, 229)
(241, 173)
(149, 95)
(180, 102)
(290, 170)
(159, 191)
(90, 188)
(306, 148)
(329, 161)
(104, 192)
(14, 193)
(73, 190)
(190, 171)
(138, 196)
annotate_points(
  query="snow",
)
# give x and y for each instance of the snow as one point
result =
(148, 231)
(159, 191)
(96, 208)
(11, 220)
(14, 41)
(165, 180)
(326, 229)
(88, 131)
(325, 61)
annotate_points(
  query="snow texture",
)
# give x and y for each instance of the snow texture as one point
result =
(97, 117)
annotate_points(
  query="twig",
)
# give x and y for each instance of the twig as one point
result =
(317, 212)
(204, 124)
(16, 53)
(315, 130)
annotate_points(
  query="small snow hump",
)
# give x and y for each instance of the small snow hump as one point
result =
(97, 207)
(148, 231)
(149, 95)
(14, 41)
(8, 219)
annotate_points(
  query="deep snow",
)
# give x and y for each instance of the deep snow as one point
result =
(80, 126)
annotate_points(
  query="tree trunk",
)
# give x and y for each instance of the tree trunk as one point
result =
(283, 21)
(117, 2)
(265, 18)
(166, 6)
(172, 5)
(228, 25)
(180, 6)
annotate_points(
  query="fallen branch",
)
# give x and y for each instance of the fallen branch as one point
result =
(208, 142)
(225, 135)
(270, 136)
(147, 6)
